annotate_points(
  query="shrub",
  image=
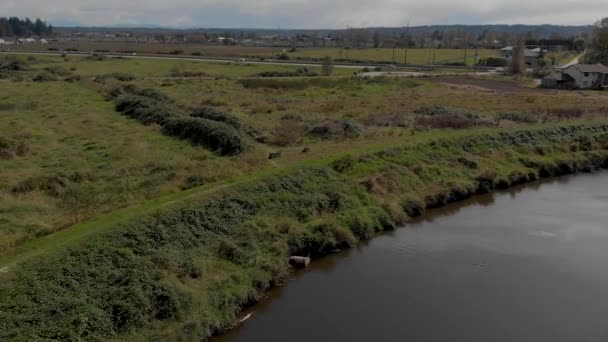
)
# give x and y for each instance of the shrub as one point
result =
(51, 185)
(120, 76)
(216, 135)
(73, 78)
(44, 77)
(12, 63)
(58, 71)
(288, 132)
(388, 120)
(493, 62)
(294, 84)
(455, 64)
(566, 113)
(343, 164)
(145, 110)
(11, 148)
(518, 117)
(294, 117)
(205, 127)
(346, 128)
(444, 117)
(94, 57)
(188, 74)
(211, 114)
(301, 72)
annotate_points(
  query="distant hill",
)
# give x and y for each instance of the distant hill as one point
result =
(541, 31)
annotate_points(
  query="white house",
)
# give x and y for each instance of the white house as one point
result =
(578, 76)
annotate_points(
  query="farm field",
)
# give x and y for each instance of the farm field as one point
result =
(415, 56)
(65, 122)
(182, 186)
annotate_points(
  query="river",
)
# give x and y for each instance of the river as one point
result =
(529, 264)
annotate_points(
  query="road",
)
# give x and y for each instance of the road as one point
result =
(575, 61)
(233, 60)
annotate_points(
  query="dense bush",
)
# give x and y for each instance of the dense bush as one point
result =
(120, 76)
(12, 64)
(216, 135)
(518, 117)
(301, 72)
(493, 62)
(294, 84)
(218, 131)
(445, 117)
(389, 120)
(146, 110)
(44, 77)
(12, 148)
(212, 114)
(288, 132)
(58, 71)
(93, 57)
(566, 113)
(345, 128)
(189, 74)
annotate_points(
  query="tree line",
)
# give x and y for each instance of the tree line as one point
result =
(598, 52)
(14, 26)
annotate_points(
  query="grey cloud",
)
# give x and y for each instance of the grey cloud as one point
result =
(308, 13)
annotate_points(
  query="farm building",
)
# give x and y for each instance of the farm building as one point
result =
(578, 76)
(532, 56)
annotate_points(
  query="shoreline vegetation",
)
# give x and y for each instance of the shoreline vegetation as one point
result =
(184, 272)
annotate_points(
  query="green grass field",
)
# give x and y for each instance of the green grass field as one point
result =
(134, 229)
(414, 55)
(83, 159)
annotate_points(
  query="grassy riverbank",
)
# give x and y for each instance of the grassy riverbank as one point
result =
(138, 200)
(183, 271)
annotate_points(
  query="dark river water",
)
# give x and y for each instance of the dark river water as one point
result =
(530, 264)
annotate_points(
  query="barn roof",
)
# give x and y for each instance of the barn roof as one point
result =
(592, 68)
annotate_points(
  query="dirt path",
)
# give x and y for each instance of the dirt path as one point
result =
(486, 85)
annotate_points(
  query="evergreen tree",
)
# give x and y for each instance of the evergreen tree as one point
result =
(14, 26)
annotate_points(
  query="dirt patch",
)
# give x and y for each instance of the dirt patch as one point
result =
(485, 85)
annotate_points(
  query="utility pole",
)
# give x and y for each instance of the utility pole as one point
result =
(350, 39)
(407, 42)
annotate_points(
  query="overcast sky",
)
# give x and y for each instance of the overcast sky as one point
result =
(306, 13)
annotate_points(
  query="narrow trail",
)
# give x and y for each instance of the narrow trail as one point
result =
(112, 220)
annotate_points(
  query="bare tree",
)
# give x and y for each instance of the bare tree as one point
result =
(600, 42)
(518, 61)
(377, 39)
